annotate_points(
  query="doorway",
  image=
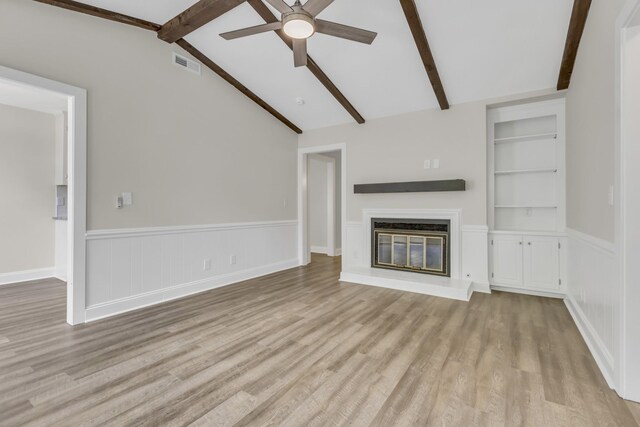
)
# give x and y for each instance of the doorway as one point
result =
(321, 201)
(71, 105)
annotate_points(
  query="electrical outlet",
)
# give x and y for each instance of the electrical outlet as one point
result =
(436, 163)
(127, 199)
(206, 265)
(232, 260)
(119, 202)
(427, 164)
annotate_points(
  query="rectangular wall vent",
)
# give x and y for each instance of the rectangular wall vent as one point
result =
(186, 63)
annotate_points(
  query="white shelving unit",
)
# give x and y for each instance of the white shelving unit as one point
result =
(526, 203)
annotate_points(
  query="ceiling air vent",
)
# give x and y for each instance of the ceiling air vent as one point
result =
(186, 63)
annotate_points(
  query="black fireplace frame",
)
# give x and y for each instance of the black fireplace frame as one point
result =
(407, 225)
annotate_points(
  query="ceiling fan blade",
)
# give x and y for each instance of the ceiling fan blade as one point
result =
(280, 5)
(345, 31)
(314, 7)
(300, 52)
(251, 30)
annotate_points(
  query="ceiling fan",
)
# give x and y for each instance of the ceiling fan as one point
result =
(299, 22)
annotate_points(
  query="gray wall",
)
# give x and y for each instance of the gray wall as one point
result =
(27, 190)
(591, 125)
(394, 149)
(191, 149)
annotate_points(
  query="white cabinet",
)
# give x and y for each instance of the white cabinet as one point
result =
(507, 260)
(541, 263)
(528, 262)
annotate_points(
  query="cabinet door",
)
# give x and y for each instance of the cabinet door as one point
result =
(507, 260)
(541, 262)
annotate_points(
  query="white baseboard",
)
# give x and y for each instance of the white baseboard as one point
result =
(442, 287)
(319, 249)
(533, 292)
(113, 308)
(26, 275)
(598, 350)
(484, 288)
(338, 252)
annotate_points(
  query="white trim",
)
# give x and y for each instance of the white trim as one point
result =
(628, 12)
(180, 229)
(594, 242)
(77, 181)
(26, 275)
(603, 358)
(338, 252)
(303, 240)
(442, 287)
(113, 308)
(331, 207)
(474, 229)
(528, 291)
(319, 250)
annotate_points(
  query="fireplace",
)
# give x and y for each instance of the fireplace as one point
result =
(416, 245)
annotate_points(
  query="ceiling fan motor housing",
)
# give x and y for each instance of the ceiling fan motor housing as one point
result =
(298, 24)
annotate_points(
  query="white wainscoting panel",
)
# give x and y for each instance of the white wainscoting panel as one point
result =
(130, 269)
(593, 295)
(475, 256)
(352, 255)
(26, 275)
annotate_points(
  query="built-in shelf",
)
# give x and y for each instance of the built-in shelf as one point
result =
(536, 137)
(512, 172)
(411, 187)
(524, 207)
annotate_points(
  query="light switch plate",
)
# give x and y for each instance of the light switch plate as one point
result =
(436, 163)
(427, 164)
(127, 199)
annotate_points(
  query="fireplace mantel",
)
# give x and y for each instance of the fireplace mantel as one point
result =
(455, 287)
(411, 187)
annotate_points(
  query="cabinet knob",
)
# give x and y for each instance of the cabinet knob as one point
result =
(519, 243)
(529, 243)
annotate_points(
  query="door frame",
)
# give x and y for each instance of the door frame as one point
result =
(628, 13)
(330, 182)
(304, 248)
(77, 182)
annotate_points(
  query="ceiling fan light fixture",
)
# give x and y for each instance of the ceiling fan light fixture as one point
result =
(298, 26)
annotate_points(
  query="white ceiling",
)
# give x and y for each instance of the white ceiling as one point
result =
(31, 98)
(483, 49)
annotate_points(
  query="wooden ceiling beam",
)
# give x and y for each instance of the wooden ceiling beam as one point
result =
(195, 17)
(574, 35)
(124, 19)
(102, 13)
(315, 69)
(420, 37)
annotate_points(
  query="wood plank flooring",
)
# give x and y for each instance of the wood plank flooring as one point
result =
(298, 348)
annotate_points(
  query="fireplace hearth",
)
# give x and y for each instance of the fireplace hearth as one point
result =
(415, 245)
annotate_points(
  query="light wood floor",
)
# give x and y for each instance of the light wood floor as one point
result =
(298, 348)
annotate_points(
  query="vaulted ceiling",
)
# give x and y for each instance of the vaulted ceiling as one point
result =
(482, 49)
